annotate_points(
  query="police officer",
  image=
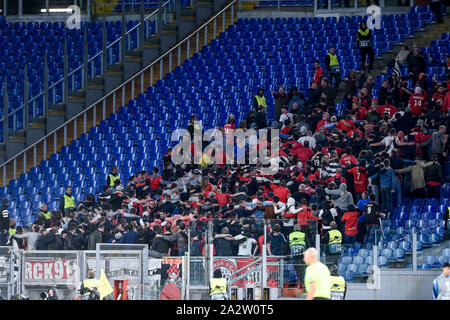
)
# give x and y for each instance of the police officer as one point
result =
(218, 286)
(4, 223)
(317, 277)
(338, 285)
(67, 201)
(112, 177)
(298, 241)
(441, 285)
(332, 65)
(364, 39)
(259, 100)
(90, 288)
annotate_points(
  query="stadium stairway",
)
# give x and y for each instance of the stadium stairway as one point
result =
(75, 128)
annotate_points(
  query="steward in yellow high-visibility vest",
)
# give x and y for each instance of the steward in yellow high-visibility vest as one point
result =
(259, 100)
(338, 285)
(218, 287)
(90, 288)
(47, 215)
(297, 241)
(334, 239)
(364, 40)
(67, 201)
(112, 177)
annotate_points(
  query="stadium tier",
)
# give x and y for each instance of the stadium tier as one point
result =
(26, 44)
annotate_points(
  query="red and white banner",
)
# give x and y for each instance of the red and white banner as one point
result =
(229, 266)
(42, 271)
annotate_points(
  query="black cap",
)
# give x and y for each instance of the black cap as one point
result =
(446, 265)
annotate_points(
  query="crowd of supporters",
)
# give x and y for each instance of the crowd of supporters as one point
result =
(335, 173)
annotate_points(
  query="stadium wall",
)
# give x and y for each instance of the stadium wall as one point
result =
(396, 285)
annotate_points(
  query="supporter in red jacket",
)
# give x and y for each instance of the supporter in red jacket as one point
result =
(350, 218)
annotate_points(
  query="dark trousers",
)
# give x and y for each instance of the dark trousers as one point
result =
(367, 52)
(418, 193)
(3, 237)
(299, 266)
(386, 199)
(337, 77)
(434, 191)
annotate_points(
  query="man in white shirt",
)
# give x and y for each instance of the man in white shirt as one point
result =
(309, 137)
(285, 115)
(278, 206)
(245, 248)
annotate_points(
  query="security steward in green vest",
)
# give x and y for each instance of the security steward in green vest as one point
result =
(338, 285)
(44, 212)
(333, 68)
(332, 241)
(364, 39)
(259, 100)
(67, 201)
(218, 286)
(298, 242)
(112, 177)
(90, 288)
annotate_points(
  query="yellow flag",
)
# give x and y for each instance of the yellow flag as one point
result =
(105, 287)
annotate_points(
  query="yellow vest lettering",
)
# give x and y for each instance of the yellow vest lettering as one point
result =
(261, 101)
(218, 285)
(297, 242)
(337, 288)
(69, 202)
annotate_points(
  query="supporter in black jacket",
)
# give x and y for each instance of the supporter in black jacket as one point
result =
(260, 118)
(416, 63)
(68, 242)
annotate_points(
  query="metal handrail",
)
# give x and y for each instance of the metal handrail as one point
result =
(91, 59)
(121, 85)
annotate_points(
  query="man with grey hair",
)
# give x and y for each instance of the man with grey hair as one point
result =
(317, 277)
(309, 137)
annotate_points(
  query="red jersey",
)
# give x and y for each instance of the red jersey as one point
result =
(222, 199)
(318, 75)
(351, 220)
(359, 178)
(348, 159)
(418, 104)
(281, 192)
(346, 125)
(304, 215)
(387, 108)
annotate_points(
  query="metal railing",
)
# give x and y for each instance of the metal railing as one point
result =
(84, 68)
(191, 43)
